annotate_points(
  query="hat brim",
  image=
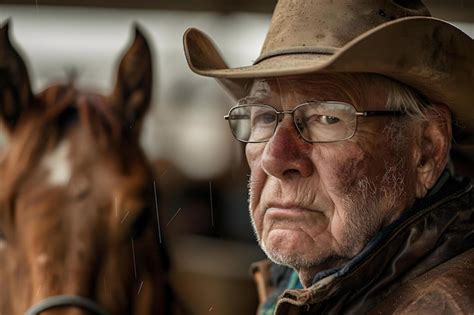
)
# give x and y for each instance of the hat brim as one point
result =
(426, 53)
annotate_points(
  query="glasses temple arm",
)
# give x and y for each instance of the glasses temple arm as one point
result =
(381, 113)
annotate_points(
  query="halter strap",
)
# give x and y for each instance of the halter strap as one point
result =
(65, 300)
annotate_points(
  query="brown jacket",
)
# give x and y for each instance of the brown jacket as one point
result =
(421, 264)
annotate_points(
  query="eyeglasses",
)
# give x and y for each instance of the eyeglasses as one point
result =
(316, 121)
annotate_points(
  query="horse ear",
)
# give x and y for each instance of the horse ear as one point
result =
(132, 93)
(15, 89)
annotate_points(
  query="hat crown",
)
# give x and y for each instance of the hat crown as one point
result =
(331, 23)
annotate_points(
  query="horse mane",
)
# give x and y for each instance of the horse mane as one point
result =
(56, 110)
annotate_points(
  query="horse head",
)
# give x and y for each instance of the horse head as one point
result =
(79, 225)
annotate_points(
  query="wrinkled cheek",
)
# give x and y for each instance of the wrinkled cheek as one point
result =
(254, 152)
(256, 184)
(345, 170)
(255, 194)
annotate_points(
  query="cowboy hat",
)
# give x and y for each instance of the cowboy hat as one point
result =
(395, 38)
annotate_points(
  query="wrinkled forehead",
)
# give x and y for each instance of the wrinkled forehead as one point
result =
(363, 91)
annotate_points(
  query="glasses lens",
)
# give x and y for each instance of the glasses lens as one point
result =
(326, 121)
(253, 123)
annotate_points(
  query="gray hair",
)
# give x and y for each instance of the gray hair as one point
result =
(406, 99)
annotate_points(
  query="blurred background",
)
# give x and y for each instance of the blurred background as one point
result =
(200, 169)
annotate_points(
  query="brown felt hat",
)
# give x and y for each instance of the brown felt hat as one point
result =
(395, 38)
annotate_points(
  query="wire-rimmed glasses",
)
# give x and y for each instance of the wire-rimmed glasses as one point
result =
(316, 121)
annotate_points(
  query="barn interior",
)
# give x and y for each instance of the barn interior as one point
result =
(200, 169)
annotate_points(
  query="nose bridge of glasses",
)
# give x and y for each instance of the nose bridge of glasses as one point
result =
(296, 122)
(281, 114)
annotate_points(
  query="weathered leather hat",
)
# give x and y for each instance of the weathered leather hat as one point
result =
(395, 38)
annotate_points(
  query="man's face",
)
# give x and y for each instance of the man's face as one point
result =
(317, 204)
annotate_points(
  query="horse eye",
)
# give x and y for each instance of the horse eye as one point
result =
(141, 223)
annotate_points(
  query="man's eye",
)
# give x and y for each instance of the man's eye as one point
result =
(264, 119)
(328, 120)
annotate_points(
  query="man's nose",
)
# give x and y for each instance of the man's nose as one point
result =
(287, 154)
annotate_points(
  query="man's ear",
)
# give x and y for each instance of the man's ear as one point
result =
(433, 145)
(15, 88)
(132, 93)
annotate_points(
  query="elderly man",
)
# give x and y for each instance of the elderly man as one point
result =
(349, 116)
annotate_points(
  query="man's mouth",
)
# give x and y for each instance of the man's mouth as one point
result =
(286, 210)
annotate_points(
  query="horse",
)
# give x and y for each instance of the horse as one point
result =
(79, 223)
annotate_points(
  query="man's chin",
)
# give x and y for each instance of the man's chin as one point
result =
(290, 248)
(303, 261)
(289, 259)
